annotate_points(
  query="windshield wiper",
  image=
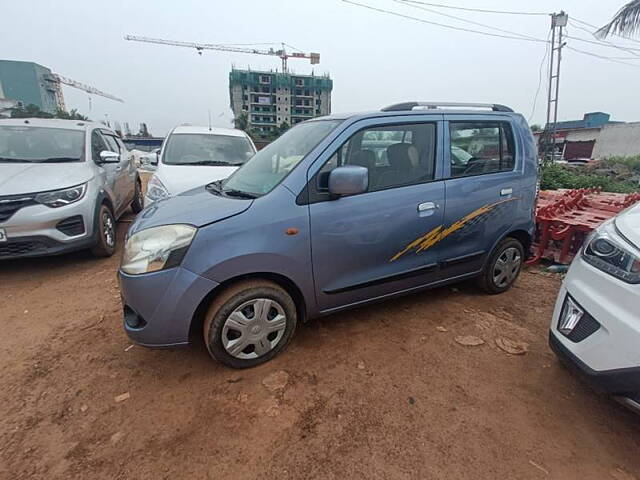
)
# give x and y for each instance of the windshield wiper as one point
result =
(57, 160)
(17, 160)
(217, 163)
(239, 193)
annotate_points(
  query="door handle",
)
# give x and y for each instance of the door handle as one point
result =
(118, 168)
(423, 207)
(506, 191)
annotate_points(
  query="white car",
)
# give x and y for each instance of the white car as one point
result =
(596, 322)
(194, 156)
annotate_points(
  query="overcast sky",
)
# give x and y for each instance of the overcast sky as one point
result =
(375, 59)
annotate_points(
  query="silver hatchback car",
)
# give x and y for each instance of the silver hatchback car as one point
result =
(63, 185)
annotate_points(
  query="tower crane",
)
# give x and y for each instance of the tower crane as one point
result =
(282, 52)
(56, 81)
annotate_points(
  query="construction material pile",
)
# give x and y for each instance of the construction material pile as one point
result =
(564, 218)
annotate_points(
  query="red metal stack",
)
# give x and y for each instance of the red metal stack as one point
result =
(565, 217)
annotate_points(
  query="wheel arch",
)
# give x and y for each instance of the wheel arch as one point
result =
(197, 321)
(523, 237)
(102, 199)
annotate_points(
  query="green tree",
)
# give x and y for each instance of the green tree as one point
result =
(33, 111)
(625, 22)
(241, 122)
(71, 115)
(536, 128)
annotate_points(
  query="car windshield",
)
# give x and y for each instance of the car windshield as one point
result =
(206, 149)
(26, 144)
(271, 164)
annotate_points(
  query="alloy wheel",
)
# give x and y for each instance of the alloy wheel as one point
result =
(108, 229)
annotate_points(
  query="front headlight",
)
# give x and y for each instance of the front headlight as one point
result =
(156, 248)
(156, 189)
(60, 198)
(608, 251)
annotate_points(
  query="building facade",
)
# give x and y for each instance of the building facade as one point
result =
(270, 99)
(583, 139)
(29, 84)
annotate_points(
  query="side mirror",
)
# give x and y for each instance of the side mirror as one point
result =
(109, 157)
(348, 180)
(155, 160)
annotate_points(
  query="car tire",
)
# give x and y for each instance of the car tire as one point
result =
(242, 316)
(106, 233)
(138, 198)
(503, 267)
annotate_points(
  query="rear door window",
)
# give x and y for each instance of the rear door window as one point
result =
(481, 147)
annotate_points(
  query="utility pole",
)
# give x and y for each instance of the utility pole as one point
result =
(548, 140)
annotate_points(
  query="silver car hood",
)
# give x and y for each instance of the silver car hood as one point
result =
(628, 223)
(19, 178)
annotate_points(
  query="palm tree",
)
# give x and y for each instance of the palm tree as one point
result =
(625, 22)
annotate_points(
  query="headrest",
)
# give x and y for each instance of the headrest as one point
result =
(364, 158)
(402, 156)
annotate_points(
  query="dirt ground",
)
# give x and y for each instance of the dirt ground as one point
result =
(378, 393)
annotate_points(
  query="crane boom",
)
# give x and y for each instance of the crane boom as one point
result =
(86, 88)
(282, 53)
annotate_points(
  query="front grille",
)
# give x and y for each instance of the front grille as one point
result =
(71, 226)
(10, 204)
(13, 248)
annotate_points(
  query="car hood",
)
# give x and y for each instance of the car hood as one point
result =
(19, 178)
(628, 223)
(180, 178)
(197, 207)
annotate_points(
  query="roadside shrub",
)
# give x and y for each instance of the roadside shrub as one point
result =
(560, 176)
(632, 163)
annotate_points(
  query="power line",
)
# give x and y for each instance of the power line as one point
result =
(602, 57)
(607, 43)
(600, 44)
(479, 10)
(450, 27)
(410, 3)
(542, 63)
(593, 26)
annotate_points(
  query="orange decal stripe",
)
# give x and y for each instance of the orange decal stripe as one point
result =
(437, 234)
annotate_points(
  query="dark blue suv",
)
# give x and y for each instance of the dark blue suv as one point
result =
(340, 211)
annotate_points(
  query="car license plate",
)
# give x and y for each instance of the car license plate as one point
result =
(3, 235)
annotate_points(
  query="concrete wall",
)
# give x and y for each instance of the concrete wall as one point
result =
(583, 135)
(614, 140)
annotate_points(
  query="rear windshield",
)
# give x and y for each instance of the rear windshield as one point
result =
(25, 144)
(206, 149)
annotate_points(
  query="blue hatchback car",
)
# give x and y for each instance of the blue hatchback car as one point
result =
(338, 212)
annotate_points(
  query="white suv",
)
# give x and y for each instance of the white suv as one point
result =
(596, 322)
(194, 156)
(63, 184)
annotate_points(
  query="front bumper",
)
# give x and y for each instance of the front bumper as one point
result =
(40, 246)
(159, 306)
(622, 381)
(604, 345)
(37, 230)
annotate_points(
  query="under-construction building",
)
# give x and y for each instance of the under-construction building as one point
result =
(270, 99)
(29, 83)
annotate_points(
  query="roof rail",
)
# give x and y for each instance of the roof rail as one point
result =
(496, 107)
